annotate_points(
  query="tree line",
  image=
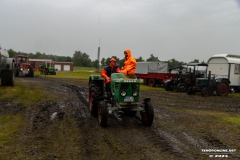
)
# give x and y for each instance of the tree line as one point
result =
(81, 59)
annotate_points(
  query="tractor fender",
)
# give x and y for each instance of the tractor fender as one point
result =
(145, 100)
(96, 80)
(10, 63)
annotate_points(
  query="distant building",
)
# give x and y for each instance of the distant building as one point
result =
(60, 66)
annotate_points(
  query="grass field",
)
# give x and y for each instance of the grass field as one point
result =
(29, 133)
(84, 73)
(25, 93)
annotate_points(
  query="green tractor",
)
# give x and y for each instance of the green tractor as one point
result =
(210, 85)
(122, 100)
(47, 68)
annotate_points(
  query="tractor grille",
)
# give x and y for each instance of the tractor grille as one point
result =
(135, 86)
(125, 86)
(117, 85)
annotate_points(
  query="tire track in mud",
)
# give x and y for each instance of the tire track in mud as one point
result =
(157, 138)
(191, 145)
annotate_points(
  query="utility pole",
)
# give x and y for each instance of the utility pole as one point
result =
(99, 56)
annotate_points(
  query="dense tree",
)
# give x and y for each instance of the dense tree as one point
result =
(121, 63)
(103, 62)
(173, 63)
(195, 61)
(140, 59)
(152, 58)
(81, 59)
(39, 55)
(95, 64)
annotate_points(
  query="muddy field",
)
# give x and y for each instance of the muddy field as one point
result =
(62, 128)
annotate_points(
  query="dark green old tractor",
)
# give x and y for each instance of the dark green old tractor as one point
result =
(210, 85)
(123, 99)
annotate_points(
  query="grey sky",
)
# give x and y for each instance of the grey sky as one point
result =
(180, 29)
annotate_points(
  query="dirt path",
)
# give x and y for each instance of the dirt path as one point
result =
(183, 125)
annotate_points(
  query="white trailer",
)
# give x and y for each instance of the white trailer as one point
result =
(226, 65)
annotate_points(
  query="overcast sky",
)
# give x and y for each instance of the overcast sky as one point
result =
(180, 29)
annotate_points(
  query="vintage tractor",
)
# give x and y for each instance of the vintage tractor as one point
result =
(123, 99)
(23, 67)
(47, 69)
(210, 85)
(7, 69)
(186, 77)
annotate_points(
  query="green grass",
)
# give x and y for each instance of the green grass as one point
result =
(25, 93)
(144, 87)
(82, 73)
(9, 126)
(233, 119)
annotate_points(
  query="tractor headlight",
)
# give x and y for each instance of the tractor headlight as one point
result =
(135, 94)
(123, 93)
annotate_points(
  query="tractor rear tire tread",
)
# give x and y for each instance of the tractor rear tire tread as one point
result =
(102, 114)
(148, 115)
(96, 94)
(220, 87)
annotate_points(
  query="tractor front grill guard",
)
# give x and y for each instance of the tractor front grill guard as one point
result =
(125, 86)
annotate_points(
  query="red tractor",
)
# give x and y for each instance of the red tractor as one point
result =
(23, 67)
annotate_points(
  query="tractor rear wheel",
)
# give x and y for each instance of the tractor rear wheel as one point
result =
(16, 73)
(181, 87)
(148, 114)
(3, 77)
(205, 92)
(7, 78)
(94, 95)
(102, 114)
(31, 72)
(222, 89)
(169, 86)
(151, 82)
(191, 91)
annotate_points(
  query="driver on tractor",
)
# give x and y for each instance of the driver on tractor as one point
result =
(107, 71)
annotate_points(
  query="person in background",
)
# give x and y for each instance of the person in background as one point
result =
(130, 64)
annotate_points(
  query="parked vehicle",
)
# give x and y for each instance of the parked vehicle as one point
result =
(47, 68)
(226, 66)
(122, 100)
(210, 85)
(7, 69)
(153, 73)
(23, 67)
(186, 77)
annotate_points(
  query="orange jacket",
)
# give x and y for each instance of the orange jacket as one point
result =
(107, 71)
(129, 64)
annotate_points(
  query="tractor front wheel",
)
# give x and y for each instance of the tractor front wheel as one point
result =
(102, 114)
(191, 91)
(151, 82)
(148, 114)
(205, 92)
(181, 87)
(31, 72)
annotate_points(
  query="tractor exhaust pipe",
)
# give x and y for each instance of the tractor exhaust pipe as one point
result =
(209, 78)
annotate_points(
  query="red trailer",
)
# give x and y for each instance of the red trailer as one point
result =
(153, 79)
(153, 73)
